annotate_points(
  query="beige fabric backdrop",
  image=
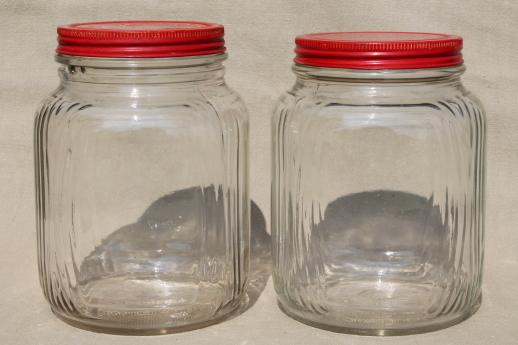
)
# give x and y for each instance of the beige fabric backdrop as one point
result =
(259, 37)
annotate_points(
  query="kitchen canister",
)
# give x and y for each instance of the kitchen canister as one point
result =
(141, 179)
(378, 184)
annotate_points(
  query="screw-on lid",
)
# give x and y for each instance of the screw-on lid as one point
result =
(378, 50)
(141, 39)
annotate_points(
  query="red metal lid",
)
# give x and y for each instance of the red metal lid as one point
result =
(141, 39)
(378, 50)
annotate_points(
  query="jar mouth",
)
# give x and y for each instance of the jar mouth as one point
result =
(379, 75)
(147, 63)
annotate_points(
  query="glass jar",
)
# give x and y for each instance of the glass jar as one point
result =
(378, 185)
(141, 179)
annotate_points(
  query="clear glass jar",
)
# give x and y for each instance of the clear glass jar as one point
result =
(141, 180)
(378, 185)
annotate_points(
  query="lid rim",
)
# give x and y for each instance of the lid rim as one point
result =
(140, 38)
(385, 50)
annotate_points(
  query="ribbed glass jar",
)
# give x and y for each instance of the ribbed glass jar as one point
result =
(142, 203)
(378, 194)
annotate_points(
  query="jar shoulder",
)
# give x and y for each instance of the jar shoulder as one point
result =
(217, 102)
(51, 104)
(335, 102)
(225, 100)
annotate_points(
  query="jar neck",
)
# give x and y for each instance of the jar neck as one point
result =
(411, 77)
(206, 69)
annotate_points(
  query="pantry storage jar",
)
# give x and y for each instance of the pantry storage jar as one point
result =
(378, 184)
(141, 179)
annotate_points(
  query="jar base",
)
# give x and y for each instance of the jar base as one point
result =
(130, 324)
(416, 328)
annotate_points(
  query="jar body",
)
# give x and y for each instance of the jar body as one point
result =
(378, 202)
(142, 199)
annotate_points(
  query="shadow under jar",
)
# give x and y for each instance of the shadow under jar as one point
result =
(141, 179)
(378, 185)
